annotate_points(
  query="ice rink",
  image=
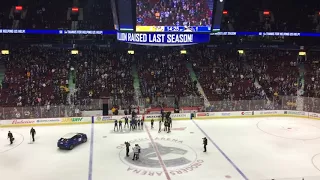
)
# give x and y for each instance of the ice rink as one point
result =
(256, 149)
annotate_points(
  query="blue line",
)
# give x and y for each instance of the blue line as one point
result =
(91, 152)
(228, 159)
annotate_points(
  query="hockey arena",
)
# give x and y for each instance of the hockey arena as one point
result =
(203, 89)
(244, 148)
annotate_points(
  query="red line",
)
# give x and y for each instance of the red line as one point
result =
(164, 168)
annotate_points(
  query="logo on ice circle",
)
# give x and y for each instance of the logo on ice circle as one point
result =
(176, 156)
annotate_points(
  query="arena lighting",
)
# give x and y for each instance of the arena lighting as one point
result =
(19, 8)
(225, 12)
(74, 52)
(183, 52)
(302, 53)
(75, 9)
(5, 52)
(266, 12)
(131, 52)
(240, 51)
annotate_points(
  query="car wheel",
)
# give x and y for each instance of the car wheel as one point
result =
(85, 140)
(71, 147)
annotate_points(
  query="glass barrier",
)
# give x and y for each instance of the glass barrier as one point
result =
(278, 103)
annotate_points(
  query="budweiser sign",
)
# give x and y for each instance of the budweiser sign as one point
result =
(22, 121)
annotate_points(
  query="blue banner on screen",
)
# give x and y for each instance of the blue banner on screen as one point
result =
(111, 32)
(163, 38)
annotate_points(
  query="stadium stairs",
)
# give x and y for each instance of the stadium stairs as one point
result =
(72, 85)
(300, 90)
(2, 71)
(194, 78)
(136, 83)
(258, 86)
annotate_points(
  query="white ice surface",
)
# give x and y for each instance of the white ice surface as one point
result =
(262, 148)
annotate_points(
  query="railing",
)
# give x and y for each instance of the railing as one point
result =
(277, 103)
(95, 105)
(171, 102)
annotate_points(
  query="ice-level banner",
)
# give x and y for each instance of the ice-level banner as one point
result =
(163, 38)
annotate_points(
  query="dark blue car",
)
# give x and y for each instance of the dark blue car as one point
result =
(70, 140)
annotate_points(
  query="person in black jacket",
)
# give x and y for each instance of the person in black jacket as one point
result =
(10, 136)
(126, 122)
(32, 133)
(152, 121)
(116, 125)
(120, 124)
(127, 148)
(205, 142)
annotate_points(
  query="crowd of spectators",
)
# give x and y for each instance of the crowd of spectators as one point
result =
(277, 71)
(173, 13)
(312, 75)
(40, 77)
(37, 79)
(224, 75)
(163, 73)
(257, 79)
(104, 74)
(34, 77)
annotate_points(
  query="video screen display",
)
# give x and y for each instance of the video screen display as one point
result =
(174, 15)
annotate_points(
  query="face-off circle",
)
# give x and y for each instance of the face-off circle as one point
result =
(316, 161)
(289, 129)
(176, 156)
(5, 143)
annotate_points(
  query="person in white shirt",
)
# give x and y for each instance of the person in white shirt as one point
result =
(136, 151)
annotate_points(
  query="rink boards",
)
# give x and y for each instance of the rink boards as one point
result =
(156, 117)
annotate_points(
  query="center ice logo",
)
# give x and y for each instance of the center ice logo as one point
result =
(148, 158)
(177, 157)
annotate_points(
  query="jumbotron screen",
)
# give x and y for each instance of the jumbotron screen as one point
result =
(174, 15)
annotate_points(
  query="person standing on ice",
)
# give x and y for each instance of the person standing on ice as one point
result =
(127, 148)
(32, 133)
(115, 125)
(152, 121)
(205, 142)
(126, 122)
(10, 136)
(136, 151)
(160, 122)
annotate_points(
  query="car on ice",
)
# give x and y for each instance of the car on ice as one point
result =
(70, 140)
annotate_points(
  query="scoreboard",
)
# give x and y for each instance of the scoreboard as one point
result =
(172, 29)
(167, 16)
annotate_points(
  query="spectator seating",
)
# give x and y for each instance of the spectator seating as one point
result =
(104, 73)
(163, 72)
(224, 76)
(33, 78)
(279, 75)
(312, 76)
